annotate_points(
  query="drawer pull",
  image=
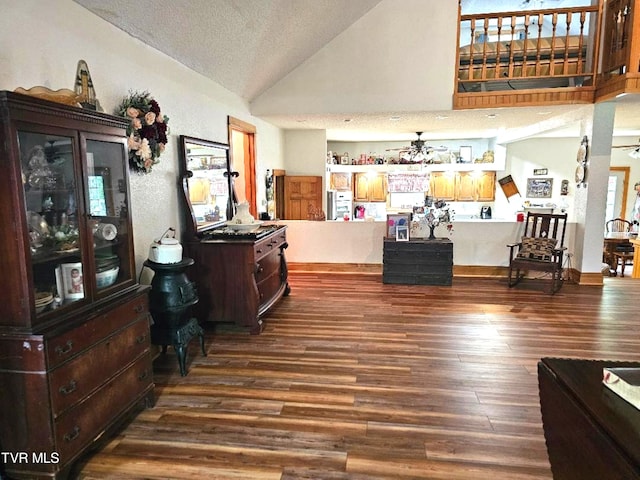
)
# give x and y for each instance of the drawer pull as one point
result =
(141, 339)
(66, 390)
(259, 250)
(62, 350)
(69, 437)
(139, 308)
(143, 375)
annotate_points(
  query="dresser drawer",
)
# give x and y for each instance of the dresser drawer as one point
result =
(268, 265)
(266, 246)
(77, 378)
(69, 344)
(81, 424)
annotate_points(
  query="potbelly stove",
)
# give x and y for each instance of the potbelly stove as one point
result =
(170, 300)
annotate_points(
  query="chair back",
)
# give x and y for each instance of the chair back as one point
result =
(618, 225)
(546, 225)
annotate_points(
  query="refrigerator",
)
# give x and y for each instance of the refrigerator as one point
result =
(339, 205)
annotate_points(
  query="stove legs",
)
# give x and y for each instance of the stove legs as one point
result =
(179, 337)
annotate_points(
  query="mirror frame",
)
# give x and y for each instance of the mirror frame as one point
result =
(192, 229)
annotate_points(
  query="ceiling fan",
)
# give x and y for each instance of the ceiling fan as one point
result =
(635, 149)
(418, 151)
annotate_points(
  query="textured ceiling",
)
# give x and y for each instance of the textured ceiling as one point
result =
(249, 45)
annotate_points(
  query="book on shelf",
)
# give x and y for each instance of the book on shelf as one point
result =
(624, 381)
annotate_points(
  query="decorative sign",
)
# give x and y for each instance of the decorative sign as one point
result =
(408, 182)
(540, 171)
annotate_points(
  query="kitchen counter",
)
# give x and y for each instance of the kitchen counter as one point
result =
(481, 242)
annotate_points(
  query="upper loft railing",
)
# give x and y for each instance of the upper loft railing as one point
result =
(620, 72)
(528, 57)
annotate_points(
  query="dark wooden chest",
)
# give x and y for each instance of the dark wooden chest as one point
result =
(418, 262)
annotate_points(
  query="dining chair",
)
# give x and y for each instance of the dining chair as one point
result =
(618, 225)
(622, 253)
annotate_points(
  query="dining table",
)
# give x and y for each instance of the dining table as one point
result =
(613, 240)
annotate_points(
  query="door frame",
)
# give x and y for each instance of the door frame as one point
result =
(248, 131)
(625, 187)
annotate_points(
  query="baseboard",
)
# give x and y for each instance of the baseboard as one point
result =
(363, 268)
(480, 271)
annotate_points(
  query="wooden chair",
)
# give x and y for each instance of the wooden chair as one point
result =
(622, 254)
(541, 249)
(618, 225)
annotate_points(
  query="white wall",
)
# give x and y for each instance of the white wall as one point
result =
(42, 42)
(400, 56)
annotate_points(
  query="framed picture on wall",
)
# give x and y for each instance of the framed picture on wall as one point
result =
(539, 187)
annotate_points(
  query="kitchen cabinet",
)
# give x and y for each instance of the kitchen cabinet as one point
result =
(486, 187)
(442, 185)
(74, 322)
(370, 188)
(240, 276)
(475, 186)
(341, 181)
(463, 186)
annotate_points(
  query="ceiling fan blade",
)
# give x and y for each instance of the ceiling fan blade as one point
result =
(626, 146)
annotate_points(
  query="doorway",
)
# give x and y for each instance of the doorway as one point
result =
(617, 191)
(243, 161)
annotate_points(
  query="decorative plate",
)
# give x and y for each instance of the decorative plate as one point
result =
(582, 154)
(579, 174)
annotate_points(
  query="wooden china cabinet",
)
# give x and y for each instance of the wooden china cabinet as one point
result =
(74, 325)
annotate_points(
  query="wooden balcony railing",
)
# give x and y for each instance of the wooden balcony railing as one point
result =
(517, 58)
(620, 72)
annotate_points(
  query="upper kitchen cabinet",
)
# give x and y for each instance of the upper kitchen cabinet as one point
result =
(486, 187)
(442, 185)
(475, 186)
(341, 181)
(65, 199)
(370, 187)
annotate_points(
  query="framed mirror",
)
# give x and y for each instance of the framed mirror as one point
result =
(206, 184)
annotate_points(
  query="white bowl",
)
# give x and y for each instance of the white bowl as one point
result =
(244, 227)
(107, 278)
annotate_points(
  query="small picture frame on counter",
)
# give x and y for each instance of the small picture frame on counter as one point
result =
(397, 219)
(402, 233)
(466, 155)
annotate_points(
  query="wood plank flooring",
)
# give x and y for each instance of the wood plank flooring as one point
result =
(353, 379)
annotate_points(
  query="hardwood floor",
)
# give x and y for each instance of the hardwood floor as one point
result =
(353, 379)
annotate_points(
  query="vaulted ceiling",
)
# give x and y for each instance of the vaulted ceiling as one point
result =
(247, 46)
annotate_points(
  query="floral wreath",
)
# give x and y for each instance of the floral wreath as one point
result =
(147, 131)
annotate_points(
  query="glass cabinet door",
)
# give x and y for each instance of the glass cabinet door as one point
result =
(108, 213)
(51, 193)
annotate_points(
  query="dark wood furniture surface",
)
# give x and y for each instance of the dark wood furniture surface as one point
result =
(591, 432)
(617, 246)
(418, 261)
(540, 226)
(172, 298)
(239, 279)
(75, 369)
